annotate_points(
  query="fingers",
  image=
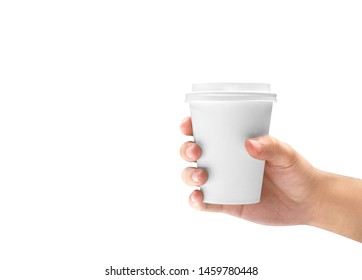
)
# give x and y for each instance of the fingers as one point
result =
(272, 150)
(186, 126)
(195, 201)
(194, 176)
(190, 151)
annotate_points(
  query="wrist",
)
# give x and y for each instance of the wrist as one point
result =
(337, 205)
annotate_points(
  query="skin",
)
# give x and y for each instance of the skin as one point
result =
(294, 192)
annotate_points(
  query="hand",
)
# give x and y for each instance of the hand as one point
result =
(288, 195)
(294, 192)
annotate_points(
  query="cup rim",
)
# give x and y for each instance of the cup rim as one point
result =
(231, 87)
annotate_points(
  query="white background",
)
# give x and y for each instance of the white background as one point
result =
(91, 97)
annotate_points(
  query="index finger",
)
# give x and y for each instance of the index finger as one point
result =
(186, 126)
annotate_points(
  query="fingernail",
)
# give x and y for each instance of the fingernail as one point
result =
(195, 176)
(255, 142)
(188, 152)
(193, 198)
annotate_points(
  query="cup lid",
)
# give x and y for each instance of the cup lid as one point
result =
(230, 92)
(231, 87)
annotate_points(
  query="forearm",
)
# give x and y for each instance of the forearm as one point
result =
(338, 205)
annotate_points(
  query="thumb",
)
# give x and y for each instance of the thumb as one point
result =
(272, 150)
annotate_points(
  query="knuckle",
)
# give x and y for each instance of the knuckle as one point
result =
(183, 149)
(274, 143)
(187, 175)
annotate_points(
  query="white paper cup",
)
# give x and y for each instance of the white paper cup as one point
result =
(224, 115)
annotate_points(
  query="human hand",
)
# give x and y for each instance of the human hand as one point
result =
(288, 195)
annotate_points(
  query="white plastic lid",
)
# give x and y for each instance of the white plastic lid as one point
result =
(230, 92)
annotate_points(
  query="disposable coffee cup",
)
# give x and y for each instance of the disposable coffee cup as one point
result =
(223, 116)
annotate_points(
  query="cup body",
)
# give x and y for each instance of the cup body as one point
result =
(220, 128)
